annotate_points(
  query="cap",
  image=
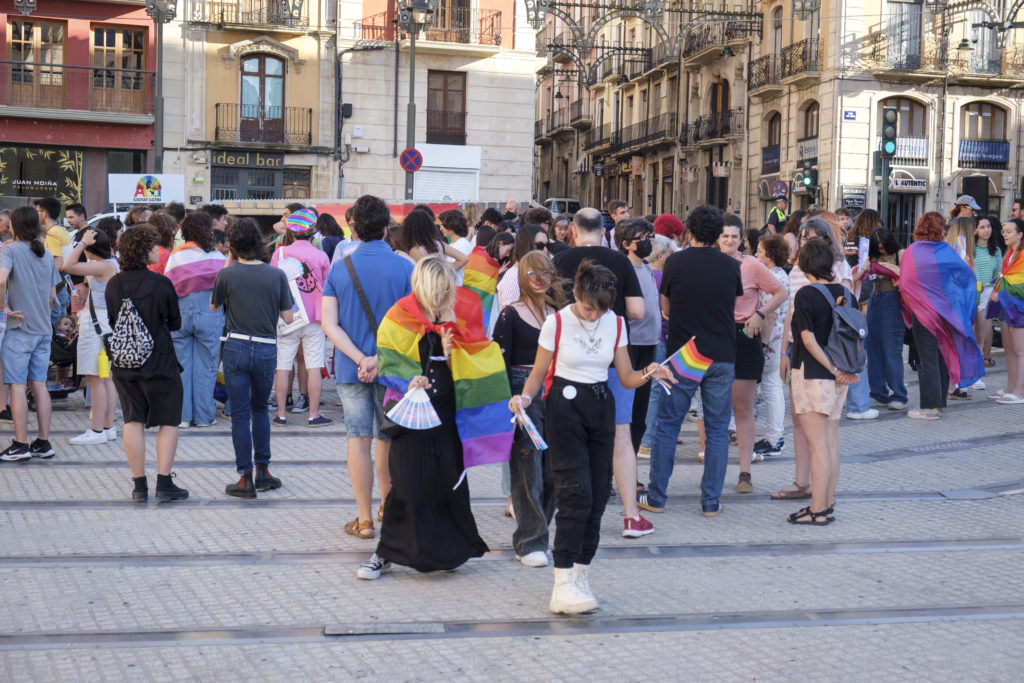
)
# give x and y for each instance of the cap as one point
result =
(967, 200)
(782, 197)
(300, 221)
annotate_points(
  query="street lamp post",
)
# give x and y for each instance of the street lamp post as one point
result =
(412, 16)
(162, 12)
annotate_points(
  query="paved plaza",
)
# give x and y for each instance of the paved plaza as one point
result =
(919, 578)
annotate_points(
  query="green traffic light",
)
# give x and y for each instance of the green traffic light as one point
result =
(890, 147)
(807, 180)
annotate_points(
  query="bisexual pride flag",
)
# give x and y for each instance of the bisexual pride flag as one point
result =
(689, 362)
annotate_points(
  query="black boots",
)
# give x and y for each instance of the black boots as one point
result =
(166, 489)
(141, 492)
(243, 488)
(265, 482)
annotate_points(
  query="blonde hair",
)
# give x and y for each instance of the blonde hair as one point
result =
(433, 285)
(473, 211)
(555, 294)
(963, 226)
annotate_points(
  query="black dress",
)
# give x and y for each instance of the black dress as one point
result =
(427, 525)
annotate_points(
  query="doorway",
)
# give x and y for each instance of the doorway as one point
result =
(904, 210)
(262, 110)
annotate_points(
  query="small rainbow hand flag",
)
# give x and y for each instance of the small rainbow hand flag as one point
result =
(689, 362)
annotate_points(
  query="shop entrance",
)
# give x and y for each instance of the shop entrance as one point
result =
(904, 210)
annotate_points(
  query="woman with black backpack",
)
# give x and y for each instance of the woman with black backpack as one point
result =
(142, 308)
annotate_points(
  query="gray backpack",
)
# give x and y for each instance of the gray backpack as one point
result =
(845, 346)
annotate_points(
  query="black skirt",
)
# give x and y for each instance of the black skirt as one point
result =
(749, 356)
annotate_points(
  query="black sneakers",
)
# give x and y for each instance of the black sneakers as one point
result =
(265, 482)
(766, 447)
(41, 449)
(5, 415)
(16, 452)
(243, 488)
(166, 488)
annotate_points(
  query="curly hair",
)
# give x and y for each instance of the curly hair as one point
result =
(197, 227)
(370, 218)
(418, 230)
(135, 244)
(165, 227)
(930, 227)
(110, 226)
(453, 220)
(705, 223)
(866, 223)
(776, 249)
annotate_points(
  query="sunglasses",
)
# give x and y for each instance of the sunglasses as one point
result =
(540, 274)
(540, 245)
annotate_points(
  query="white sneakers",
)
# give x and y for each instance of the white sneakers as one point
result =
(538, 558)
(869, 414)
(90, 438)
(571, 594)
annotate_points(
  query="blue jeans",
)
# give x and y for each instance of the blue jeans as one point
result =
(249, 375)
(197, 345)
(652, 402)
(716, 395)
(885, 348)
(858, 399)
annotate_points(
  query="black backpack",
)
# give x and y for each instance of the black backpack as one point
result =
(845, 346)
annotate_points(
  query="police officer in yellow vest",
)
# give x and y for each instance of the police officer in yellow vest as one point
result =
(777, 216)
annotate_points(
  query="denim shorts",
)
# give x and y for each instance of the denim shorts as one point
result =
(26, 357)
(363, 405)
(623, 398)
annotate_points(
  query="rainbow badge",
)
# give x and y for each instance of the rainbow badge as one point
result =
(689, 362)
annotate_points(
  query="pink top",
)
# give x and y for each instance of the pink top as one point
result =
(315, 266)
(756, 279)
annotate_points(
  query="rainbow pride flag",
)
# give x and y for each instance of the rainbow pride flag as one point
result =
(1011, 290)
(191, 269)
(480, 276)
(939, 289)
(482, 391)
(689, 362)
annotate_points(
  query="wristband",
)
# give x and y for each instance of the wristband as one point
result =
(760, 313)
(360, 363)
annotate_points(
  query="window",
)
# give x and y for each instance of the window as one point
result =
(775, 130)
(810, 129)
(36, 49)
(903, 35)
(446, 107)
(262, 108)
(296, 183)
(118, 60)
(979, 121)
(911, 120)
(777, 31)
(126, 161)
(719, 96)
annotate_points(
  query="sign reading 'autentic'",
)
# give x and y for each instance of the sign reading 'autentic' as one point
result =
(247, 159)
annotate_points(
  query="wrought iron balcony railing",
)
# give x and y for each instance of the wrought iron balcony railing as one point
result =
(249, 13)
(599, 136)
(637, 65)
(764, 71)
(266, 124)
(455, 26)
(446, 127)
(579, 110)
(648, 132)
(76, 88)
(799, 58)
(719, 125)
(718, 33)
(538, 129)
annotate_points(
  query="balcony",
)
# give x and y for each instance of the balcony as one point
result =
(660, 57)
(558, 122)
(764, 77)
(561, 40)
(541, 41)
(712, 129)
(770, 159)
(459, 30)
(599, 138)
(979, 68)
(807, 149)
(611, 69)
(579, 115)
(654, 131)
(62, 91)
(446, 127)
(984, 154)
(260, 14)
(637, 65)
(799, 63)
(705, 42)
(539, 135)
(909, 151)
(289, 126)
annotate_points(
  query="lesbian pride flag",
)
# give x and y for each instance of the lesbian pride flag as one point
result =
(190, 269)
(689, 362)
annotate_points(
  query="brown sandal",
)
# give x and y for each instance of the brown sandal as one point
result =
(360, 529)
(792, 494)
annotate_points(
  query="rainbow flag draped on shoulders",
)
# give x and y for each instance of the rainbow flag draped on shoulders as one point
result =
(191, 269)
(1011, 290)
(482, 417)
(480, 276)
(940, 290)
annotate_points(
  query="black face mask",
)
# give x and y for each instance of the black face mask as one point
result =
(643, 248)
(510, 215)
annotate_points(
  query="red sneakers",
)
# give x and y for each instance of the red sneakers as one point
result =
(637, 527)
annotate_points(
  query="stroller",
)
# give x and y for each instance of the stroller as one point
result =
(60, 383)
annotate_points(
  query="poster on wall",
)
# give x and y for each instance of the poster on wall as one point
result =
(145, 188)
(31, 173)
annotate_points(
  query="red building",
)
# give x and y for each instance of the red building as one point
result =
(76, 99)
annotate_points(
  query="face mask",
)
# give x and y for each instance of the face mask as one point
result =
(643, 248)
(509, 215)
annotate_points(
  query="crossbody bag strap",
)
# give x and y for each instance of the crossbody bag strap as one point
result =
(95, 319)
(549, 377)
(370, 317)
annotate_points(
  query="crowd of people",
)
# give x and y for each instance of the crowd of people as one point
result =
(612, 327)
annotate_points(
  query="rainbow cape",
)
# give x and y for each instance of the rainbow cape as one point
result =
(1010, 286)
(940, 290)
(482, 391)
(191, 269)
(689, 362)
(480, 276)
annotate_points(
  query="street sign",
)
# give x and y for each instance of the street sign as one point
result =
(411, 160)
(779, 187)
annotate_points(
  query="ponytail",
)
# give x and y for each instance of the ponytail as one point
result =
(26, 228)
(37, 248)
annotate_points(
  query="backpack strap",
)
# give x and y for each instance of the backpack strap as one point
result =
(828, 295)
(549, 378)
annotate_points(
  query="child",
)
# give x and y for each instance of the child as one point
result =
(220, 241)
(66, 339)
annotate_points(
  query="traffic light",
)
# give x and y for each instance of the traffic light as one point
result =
(810, 175)
(890, 128)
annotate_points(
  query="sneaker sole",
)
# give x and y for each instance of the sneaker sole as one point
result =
(368, 576)
(44, 456)
(649, 508)
(713, 514)
(633, 533)
(322, 424)
(17, 458)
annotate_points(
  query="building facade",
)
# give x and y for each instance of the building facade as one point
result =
(76, 99)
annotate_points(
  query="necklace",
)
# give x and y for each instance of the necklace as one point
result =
(594, 344)
(540, 323)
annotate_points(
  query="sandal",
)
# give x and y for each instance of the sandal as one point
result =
(989, 363)
(808, 516)
(792, 493)
(360, 529)
(959, 394)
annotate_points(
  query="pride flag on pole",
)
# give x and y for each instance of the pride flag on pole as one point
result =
(689, 362)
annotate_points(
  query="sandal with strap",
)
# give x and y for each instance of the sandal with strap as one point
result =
(989, 363)
(808, 516)
(360, 529)
(792, 493)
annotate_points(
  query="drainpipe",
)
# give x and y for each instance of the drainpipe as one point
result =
(394, 151)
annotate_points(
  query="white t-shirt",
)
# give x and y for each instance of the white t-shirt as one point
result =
(580, 359)
(508, 287)
(463, 245)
